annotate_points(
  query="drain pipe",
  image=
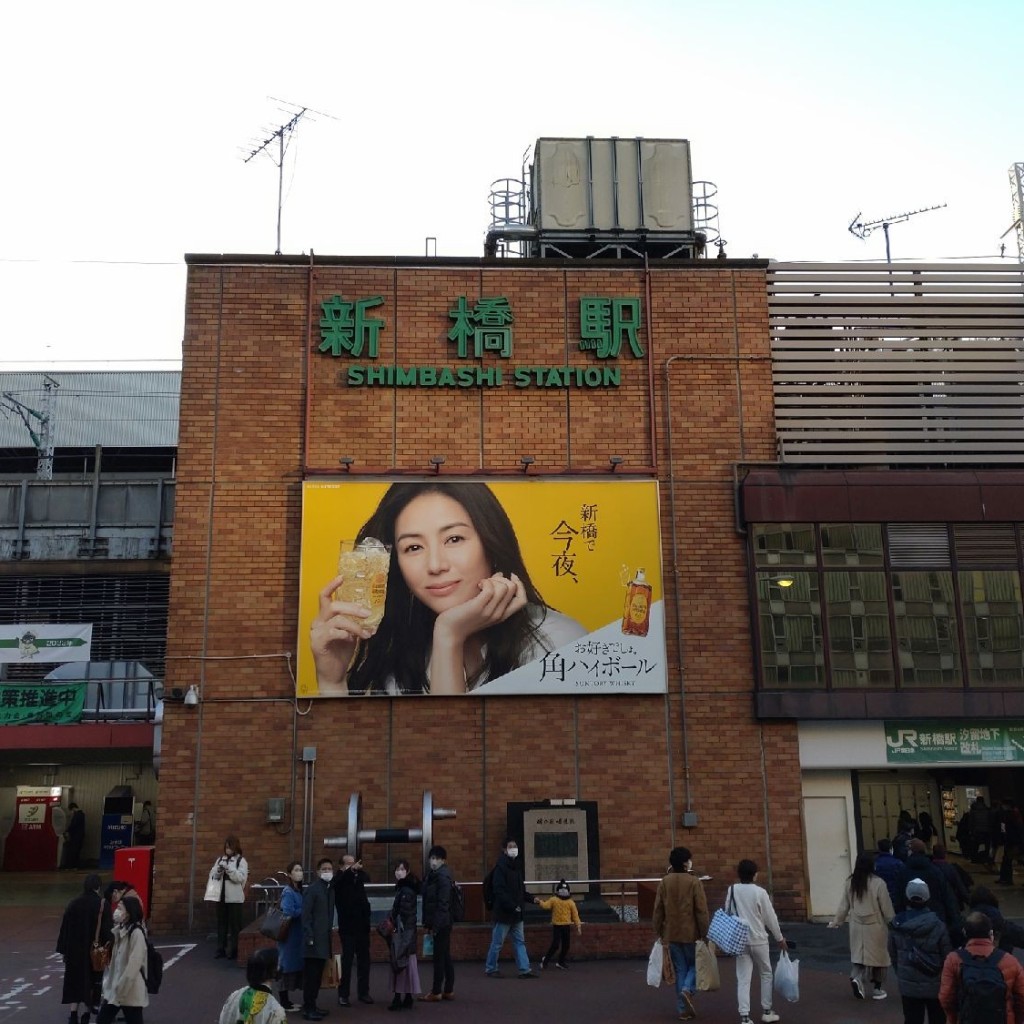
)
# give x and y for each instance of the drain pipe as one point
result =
(511, 233)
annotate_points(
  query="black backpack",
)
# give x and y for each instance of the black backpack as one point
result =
(489, 889)
(457, 906)
(982, 998)
(154, 973)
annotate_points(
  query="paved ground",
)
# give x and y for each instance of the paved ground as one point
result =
(598, 992)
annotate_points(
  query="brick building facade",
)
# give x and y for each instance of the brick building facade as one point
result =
(263, 409)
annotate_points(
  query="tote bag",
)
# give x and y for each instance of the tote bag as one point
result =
(729, 932)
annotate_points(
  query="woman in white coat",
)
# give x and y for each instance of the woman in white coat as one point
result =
(226, 888)
(867, 904)
(124, 980)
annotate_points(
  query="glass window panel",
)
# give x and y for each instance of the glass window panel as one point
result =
(783, 544)
(860, 648)
(926, 636)
(851, 544)
(990, 602)
(792, 651)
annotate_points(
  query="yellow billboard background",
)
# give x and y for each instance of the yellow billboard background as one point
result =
(582, 542)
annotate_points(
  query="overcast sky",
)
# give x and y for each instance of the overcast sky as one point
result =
(126, 128)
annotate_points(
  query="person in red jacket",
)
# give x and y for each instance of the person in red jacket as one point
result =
(980, 943)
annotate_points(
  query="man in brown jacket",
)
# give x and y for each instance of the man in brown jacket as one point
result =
(981, 949)
(680, 919)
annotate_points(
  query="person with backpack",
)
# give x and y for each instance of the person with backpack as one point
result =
(124, 981)
(508, 895)
(918, 946)
(438, 890)
(980, 983)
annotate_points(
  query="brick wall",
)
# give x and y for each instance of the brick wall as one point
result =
(259, 407)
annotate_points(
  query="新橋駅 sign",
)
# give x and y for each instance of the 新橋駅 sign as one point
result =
(608, 326)
(932, 742)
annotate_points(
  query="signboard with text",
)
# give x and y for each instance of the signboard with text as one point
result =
(39, 642)
(508, 587)
(950, 741)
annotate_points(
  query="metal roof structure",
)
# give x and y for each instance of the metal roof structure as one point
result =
(116, 409)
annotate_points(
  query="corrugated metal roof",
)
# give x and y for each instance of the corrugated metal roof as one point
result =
(117, 409)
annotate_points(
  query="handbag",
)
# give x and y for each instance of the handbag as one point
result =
(275, 924)
(729, 932)
(386, 928)
(99, 952)
(668, 970)
(708, 979)
(655, 964)
(787, 978)
(213, 890)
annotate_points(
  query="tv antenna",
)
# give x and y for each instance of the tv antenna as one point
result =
(861, 229)
(43, 440)
(281, 134)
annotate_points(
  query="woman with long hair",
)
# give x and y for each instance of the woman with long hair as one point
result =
(226, 888)
(460, 609)
(867, 904)
(290, 955)
(124, 980)
(405, 974)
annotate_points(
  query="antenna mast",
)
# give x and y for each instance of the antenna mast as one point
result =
(1017, 190)
(862, 229)
(43, 440)
(280, 133)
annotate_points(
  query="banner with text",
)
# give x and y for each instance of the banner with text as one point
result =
(510, 587)
(28, 642)
(26, 703)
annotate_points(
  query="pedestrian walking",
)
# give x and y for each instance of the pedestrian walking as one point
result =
(918, 946)
(680, 919)
(752, 904)
(510, 895)
(867, 904)
(564, 915)
(124, 980)
(77, 932)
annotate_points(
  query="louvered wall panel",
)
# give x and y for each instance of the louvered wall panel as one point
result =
(878, 364)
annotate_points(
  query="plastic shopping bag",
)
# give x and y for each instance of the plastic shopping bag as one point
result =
(708, 979)
(787, 978)
(655, 963)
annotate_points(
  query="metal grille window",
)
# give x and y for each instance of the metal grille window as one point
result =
(918, 544)
(128, 613)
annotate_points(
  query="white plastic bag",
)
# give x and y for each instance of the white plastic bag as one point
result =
(654, 964)
(787, 978)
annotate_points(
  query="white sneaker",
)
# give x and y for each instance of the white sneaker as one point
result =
(746, 1020)
(769, 1017)
(858, 988)
(880, 993)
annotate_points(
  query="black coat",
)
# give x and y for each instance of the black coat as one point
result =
(77, 930)
(923, 929)
(942, 901)
(317, 918)
(509, 891)
(351, 900)
(403, 913)
(437, 899)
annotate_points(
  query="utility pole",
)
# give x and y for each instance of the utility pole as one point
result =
(43, 440)
(280, 134)
(862, 229)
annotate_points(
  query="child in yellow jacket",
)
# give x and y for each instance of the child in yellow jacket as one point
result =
(563, 915)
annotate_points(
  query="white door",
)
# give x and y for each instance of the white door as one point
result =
(828, 851)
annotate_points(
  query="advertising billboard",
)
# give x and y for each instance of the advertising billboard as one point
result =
(508, 587)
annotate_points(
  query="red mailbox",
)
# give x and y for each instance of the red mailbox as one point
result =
(134, 864)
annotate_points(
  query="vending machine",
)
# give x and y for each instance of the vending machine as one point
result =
(34, 840)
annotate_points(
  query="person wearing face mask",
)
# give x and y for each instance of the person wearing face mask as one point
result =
(510, 895)
(437, 919)
(353, 928)
(124, 980)
(289, 953)
(563, 915)
(405, 974)
(680, 919)
(317, 918)
(226, 888)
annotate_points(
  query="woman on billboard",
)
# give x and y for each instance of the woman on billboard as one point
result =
(460, 608)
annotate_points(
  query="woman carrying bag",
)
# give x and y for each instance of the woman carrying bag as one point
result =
(226, 887)
(290, 952)
(124, 981)
(405, 975)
